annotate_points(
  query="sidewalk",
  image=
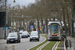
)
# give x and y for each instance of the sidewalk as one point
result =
(72, 42)
(2, 41)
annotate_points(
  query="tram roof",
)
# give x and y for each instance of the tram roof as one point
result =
(53, 22)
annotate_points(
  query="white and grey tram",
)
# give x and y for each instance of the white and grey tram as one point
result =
(54, 30)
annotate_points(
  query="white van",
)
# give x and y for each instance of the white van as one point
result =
(34, 35)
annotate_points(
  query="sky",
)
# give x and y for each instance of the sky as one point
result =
(20, 2)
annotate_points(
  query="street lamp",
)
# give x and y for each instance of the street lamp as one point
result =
(14, 1)
(13, 15)
(12, 19)
(22, 21)
(5, 18)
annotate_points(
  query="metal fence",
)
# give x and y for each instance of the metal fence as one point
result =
(2, 33)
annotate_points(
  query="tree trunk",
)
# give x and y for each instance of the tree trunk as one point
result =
(73, 14)
(65, 27)
(69, 29)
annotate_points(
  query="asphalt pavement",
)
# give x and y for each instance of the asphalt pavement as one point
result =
(24, 45)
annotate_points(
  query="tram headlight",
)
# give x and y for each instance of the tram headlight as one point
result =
(60, 24)
(57, 35)
(48, 24)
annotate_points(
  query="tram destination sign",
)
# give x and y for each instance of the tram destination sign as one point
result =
(54, 24)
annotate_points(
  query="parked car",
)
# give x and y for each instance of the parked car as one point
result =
(13, 37)
(25, 34)
(21, 31)
(34, 35)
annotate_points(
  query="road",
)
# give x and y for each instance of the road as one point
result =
(24, 45)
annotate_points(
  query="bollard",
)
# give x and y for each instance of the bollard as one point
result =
(5, 47)
(13, 47)
(70, 43)
(66, 43)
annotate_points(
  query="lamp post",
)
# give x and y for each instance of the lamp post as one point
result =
(11, 21)
(22, 22)
(12, 18)
(5, 18)
(13, 14)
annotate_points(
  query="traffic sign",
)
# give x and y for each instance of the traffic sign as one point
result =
(31, 27)
(40, 28)
(6, 28)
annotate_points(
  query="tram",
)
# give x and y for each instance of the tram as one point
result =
(54, 30)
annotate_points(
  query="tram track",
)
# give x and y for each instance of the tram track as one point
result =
(43, 45)
(53, 48)
(56, 45)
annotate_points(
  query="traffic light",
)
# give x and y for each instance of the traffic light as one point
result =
(2, 19)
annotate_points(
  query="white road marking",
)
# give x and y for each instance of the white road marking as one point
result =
(38, 44)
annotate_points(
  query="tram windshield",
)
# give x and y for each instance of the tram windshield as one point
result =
(54, 28)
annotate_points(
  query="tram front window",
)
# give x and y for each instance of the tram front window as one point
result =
(54, 28)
